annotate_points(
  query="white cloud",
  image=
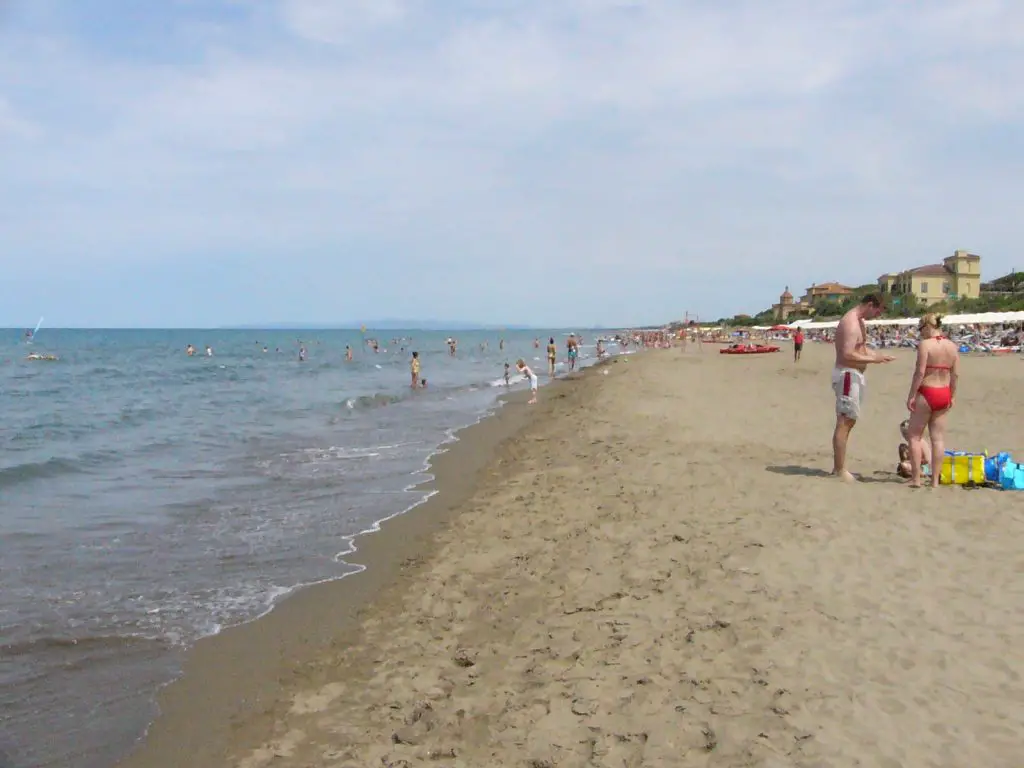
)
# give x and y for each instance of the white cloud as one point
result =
(336, 21)
(627, 135)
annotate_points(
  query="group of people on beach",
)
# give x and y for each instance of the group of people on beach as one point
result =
(931, 396)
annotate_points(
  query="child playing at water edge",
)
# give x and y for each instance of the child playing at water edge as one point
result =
(414, 367)
(524, 369)
(508, 376)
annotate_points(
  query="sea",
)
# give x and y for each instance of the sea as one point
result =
(149, 498)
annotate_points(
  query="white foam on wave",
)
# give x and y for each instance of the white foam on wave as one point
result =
(450, 437)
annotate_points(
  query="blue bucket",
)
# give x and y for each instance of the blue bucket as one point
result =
(993, 464)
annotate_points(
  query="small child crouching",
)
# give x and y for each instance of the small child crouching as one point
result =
(903, 467)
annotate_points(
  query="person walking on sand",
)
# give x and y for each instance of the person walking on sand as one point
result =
(524, 369)
(798, 345)
(848, 380)
(932, 395)
(552, 356)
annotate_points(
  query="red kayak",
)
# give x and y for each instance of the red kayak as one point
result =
(748, 349)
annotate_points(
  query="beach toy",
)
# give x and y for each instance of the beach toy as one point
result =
(993, 464)
(964, 348)
(962, 467)
(1011, 476)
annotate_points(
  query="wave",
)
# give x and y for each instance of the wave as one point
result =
(85, 644)
(376, 400)
(55, 466)
(38, 470)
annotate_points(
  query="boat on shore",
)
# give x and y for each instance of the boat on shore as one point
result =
(749, 349)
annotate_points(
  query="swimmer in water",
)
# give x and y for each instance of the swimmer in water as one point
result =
(190, 350)
(524, 369)
(348, 353)
(302, 354)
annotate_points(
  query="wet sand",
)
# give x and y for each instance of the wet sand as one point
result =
(652, 567)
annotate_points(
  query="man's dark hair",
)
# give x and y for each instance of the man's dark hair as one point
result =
(872, 300)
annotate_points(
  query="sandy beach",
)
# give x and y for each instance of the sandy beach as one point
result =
(652, 568)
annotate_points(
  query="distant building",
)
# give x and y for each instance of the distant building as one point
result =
(957, 277)
(831, 292)
(788, 306)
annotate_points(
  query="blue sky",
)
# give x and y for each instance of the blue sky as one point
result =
(558, 162)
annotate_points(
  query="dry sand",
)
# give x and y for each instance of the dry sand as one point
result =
(656, 571)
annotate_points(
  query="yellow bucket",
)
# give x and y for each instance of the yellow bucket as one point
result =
(959, 470)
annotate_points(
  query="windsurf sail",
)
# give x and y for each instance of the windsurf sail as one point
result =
(29, 335)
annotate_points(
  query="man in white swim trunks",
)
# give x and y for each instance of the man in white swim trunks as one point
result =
(848, 381)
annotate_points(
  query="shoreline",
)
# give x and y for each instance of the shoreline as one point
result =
(196, 720)
(654, 568)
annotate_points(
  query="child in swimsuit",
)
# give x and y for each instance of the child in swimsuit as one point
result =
(903, 467)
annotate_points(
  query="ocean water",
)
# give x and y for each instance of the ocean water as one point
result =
(148, 498)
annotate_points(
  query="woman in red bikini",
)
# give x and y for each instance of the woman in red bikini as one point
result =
(932, 394)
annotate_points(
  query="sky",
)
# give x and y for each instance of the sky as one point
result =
(561, 163)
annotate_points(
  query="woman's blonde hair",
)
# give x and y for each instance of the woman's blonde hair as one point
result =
(520, 363)
(931, 320)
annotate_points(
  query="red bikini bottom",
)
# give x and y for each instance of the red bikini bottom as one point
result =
(938, 398)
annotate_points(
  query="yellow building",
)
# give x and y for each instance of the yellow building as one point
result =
(957, 277)
(831, 292)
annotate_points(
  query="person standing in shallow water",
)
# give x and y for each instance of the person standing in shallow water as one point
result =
(414, 369)
(848, 380)
(552, 356)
